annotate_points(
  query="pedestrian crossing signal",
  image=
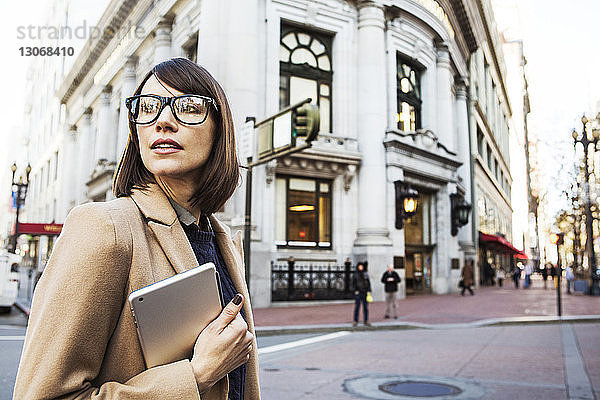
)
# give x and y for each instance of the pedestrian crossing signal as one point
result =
(306, 122)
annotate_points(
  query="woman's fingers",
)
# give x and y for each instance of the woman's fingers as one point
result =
(229, 313)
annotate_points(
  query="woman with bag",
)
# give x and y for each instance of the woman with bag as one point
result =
(467, 277)
(362, 290)
(178, 168)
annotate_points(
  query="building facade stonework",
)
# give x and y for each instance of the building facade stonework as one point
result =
(396, 82)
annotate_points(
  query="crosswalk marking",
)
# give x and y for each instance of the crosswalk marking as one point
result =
(302, 342)
(9, 338)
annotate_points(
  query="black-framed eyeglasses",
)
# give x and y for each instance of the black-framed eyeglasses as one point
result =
(189, 109)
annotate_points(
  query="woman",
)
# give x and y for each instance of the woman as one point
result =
(467, 277)
(178, 168)
(362, 286)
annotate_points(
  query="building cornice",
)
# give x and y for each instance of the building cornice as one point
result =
(392, 143)
(111, 21)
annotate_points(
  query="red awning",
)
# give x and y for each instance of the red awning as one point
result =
(503, 243)
(39, 229)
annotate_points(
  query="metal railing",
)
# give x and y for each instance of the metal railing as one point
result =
(297, 282)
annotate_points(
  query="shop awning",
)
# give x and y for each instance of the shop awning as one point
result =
(499, 241)
(39, 229)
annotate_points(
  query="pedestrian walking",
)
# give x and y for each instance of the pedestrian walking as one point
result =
(390, 279)
(528, 272)
(362, 288)
(467, 277)
(178, 168)
(569, 276)
(545, 276)
(500, 275)
(516, 274)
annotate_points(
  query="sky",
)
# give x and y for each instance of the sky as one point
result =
(560, 42)
(24, 14)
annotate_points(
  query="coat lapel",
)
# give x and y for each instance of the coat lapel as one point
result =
(163, 222)
(231, 256)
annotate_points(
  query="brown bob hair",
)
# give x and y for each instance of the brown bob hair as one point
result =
(220, 174)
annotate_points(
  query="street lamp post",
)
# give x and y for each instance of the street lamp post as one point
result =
(557, 239)
(589, 226)
(20, 190)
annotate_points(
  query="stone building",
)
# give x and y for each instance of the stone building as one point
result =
(409, 92)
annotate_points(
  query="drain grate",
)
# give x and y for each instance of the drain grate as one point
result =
(419, 389)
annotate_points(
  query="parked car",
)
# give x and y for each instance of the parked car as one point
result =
(9, 280)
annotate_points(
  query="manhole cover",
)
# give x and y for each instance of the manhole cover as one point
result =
(419, 389)
(407, 387)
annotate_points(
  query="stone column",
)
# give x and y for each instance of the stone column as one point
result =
(464, 154)
(372, 243)
(445, 123)
(68, 169)
(162, 40)
(445, 242)
(105, 135)
(127, 88)
(240, 41)
(85, 156)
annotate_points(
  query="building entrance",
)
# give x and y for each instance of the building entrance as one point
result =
(418, 249)
(418, 269)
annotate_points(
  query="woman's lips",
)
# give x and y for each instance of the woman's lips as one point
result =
(165, 146)
(165, 150)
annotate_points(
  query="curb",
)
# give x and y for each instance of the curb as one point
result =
(531, 320)
(22, 307)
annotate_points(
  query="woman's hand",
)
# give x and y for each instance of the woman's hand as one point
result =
(223, 345)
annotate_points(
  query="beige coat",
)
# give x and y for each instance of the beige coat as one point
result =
(81, 341)
(467, 275)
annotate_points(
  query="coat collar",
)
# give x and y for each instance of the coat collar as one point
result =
(162, 219)
(154, 204)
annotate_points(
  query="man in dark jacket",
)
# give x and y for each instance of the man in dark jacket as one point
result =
(391, 279)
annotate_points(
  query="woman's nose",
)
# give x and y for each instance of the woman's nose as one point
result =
(166, 121)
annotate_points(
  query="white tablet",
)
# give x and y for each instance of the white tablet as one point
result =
(170, 314)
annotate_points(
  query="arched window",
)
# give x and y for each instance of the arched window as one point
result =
(306, 70)
(408, 79)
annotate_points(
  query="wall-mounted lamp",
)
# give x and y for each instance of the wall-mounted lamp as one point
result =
(459, 213)
(407, 200)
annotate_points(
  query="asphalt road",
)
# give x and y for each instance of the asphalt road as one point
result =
(12, 332)
(545, 361)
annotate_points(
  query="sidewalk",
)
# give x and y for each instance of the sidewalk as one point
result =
(489, 306)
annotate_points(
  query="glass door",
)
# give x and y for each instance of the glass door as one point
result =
(418, 271)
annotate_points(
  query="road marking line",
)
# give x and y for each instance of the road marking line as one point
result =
(12, 327)
(578, 382)
(302, 342)
(7, 338)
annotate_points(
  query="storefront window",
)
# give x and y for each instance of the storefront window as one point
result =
(302, 212)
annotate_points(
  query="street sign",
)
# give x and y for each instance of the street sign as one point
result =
(247, 140)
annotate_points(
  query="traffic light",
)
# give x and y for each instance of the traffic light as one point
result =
(306, 122)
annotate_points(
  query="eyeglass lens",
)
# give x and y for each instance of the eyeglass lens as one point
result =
(188, 109)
